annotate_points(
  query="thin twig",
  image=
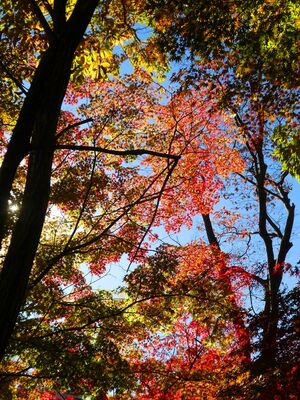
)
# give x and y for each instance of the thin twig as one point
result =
(72, 126)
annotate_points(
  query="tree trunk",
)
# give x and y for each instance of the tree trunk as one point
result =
(35, 132)
(270, 320)
(51, 81)
(270, 324)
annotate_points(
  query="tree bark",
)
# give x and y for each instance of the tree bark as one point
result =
(35, 132)
(270, 317)
(271, 310)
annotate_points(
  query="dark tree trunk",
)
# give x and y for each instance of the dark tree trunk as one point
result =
(270, 320)
(271, 311)
(270, 323)
(35, 132)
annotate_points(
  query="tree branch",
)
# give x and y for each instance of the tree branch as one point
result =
(285, 244)
(240, 270)
(135, 152)
(59, 15)
(72, 126)
(247, 179)
(170, 171)
(284, 175)
(76, 248)
(274, 226)
(48, 8)
(84, 203)
(212, 239)
(81, 16)
(13, 78)
(40, 16)
(118, 312)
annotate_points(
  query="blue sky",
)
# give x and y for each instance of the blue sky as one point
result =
(115, 272)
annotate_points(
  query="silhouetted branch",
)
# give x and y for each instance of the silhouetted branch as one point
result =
(40, 16)
(135, 152)
(72, 126)
(13, 78)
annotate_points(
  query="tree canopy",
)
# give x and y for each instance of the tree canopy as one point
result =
(123, 123)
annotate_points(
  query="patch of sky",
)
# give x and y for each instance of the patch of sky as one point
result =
(113, 277)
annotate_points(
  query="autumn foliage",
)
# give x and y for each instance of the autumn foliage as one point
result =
(158, 136)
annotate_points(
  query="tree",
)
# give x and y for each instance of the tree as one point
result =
(251, 70)
(259, 266)
(59, 50)
(260, 35)
(287, 147)
(87, 174)
(35, 130)
(192, 345)
(262, 100)
(104, 208)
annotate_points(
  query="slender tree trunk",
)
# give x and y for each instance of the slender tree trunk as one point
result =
(271, 311)
(35, 132)
(270, 324)
(270, 320)
(270, 314)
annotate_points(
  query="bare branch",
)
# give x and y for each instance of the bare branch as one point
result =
(285, 244)
(13, 78)
(40, 16)
(72, 126)
(212, 239)
(59, 14)
(284, 175)
(263, 232)
(247, 179)
(135, 152)
(170, 171)
(274, 226)
(81, 15)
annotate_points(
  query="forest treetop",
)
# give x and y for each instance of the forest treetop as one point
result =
(93, 160)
